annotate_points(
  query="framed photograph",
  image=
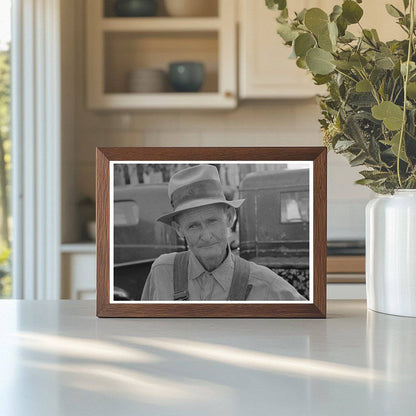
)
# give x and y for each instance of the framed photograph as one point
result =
(211, 232)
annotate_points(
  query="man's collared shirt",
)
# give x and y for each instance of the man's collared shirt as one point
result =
(215, 285)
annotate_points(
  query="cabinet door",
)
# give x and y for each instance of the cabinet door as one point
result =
(265, 68)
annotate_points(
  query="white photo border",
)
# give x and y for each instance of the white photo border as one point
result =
(308, 163)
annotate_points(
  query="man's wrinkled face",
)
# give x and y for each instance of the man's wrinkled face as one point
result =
(205, 230)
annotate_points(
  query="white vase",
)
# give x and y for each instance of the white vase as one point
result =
(391, 253)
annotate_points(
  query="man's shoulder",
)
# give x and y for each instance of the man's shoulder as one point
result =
(277, 288)
(263, 273)
(165, 260)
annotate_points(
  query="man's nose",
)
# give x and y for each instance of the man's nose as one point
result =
(205, 233)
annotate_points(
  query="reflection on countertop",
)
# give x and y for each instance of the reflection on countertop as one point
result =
(354, 362)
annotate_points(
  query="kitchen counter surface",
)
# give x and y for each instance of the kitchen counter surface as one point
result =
(57, 358)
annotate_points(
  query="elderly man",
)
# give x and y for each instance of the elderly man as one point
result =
(208, 270)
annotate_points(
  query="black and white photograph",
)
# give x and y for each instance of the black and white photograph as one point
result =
(211, 232)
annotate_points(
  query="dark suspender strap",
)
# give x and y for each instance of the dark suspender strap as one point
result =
(180, 276)
(240, 288)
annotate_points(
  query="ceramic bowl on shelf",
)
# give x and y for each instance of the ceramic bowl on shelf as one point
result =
(186, 76)
(135, 8)
(147, 80)
(191, 8)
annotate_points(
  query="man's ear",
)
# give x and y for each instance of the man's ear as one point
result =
(177, 228)
(230, 214)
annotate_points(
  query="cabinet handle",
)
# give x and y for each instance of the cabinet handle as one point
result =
(228, 94)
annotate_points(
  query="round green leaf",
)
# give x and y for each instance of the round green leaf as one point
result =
(336, 12)
(363, 86)
(358, 61)
(303, 43)
(385, 63)
(411, 90)
(342, 25)
(316, 20)
(333, 32)
(342, 64)
(286, 32)
(327, 40)
(324, 42)
(351, 11)
(276, 4)
(394, 144)
(390, 113)
(393, 11)
(319, 61)
(301, 63)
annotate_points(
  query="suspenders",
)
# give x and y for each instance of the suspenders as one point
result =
(180, 276)
(239, 290)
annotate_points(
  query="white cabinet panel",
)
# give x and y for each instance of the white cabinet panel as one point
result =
(78, 276)
(265, 68)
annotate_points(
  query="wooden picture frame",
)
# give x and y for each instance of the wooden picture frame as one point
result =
(314, 308)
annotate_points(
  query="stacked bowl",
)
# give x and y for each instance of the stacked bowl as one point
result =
(147, 80)
(191, 8)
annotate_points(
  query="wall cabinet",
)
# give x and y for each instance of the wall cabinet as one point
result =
(116, 46)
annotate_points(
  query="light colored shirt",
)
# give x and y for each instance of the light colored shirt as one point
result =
(215, 285)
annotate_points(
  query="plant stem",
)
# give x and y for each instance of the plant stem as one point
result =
(373, 90)
(406, 79)
(392, 90)
(345, 75)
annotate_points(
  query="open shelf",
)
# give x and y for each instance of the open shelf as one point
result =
(195, 101)
(116, 46)
(127, 51)
(80, 247)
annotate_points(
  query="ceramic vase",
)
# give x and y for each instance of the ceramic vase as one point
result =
(391, 253)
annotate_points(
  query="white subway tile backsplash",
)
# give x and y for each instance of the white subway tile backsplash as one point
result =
(168, 138)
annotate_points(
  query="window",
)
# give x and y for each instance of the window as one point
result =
(126, 213)
(294, 207)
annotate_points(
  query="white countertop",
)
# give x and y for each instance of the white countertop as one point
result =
(57, 358)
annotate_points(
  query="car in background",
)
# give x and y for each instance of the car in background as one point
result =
(138, 238)
(274, 223)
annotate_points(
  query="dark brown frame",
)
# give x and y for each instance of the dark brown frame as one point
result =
(317, 309)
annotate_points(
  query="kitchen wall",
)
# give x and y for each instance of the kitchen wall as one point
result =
(253, 123)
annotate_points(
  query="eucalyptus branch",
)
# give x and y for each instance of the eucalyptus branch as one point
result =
(406, 79)
(370, 64)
